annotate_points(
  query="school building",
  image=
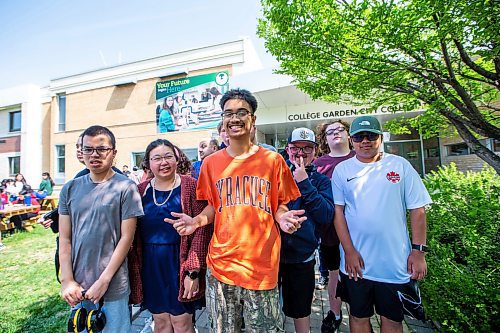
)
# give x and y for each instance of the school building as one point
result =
(176, 96)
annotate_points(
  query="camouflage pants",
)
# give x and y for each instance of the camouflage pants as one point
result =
(226, 302)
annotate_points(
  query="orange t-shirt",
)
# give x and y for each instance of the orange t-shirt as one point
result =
(245, 194)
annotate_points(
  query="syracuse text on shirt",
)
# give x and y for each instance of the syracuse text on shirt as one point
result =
(244, 190)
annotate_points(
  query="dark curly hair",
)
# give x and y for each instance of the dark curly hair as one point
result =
(321, 136)
(242, 94)
(184, 165)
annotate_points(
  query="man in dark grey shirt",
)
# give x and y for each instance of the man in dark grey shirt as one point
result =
(98, 215)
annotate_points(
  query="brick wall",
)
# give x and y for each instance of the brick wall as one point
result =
(11, 144)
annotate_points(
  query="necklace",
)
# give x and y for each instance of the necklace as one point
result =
(153, 182)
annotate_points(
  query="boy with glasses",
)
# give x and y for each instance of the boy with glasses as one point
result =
(298, 249)
(97, 219)
(334, 145)
(372, 193)
(247, 188)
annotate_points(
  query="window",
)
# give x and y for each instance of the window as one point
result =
(15, 121)
(60, 159)
(431, 152)
(14, 165)
(191, 153)
(462, 148)
(496, 145)
(137, 159)
(61, 102)
(458, 149)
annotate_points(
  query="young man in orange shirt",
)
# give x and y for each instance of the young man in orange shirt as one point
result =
(247, 188)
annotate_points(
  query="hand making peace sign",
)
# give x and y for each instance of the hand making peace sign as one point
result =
(299, 174)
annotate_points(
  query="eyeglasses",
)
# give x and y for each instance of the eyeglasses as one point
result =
(98, 150)
(305, 150)
(361, 136)
(335, 130)
(159, 159)
(240, 114)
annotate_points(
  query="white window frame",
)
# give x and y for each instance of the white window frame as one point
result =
(61, 113)
(10, 160)
(57, 159)
(191, 153)
(11, 113)
(133, 159)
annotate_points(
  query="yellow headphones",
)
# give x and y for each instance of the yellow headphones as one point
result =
(93, 321)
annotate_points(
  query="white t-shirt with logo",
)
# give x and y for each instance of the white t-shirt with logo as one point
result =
(376, 197)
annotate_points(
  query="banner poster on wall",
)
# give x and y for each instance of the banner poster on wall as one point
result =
(190, 103)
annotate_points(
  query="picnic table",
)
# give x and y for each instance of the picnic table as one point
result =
(49, 202)
(8, 211)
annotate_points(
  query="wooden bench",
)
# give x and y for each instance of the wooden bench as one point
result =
(49, 202)
(10, 211)
(4, 226)
(30, 223)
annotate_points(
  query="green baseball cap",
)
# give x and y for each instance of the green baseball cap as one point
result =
(365, 124)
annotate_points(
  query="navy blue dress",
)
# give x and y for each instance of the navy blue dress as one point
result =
(161, 243)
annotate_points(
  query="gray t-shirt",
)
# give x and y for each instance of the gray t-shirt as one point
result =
(96, 212)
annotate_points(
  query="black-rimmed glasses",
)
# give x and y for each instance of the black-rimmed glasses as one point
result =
(333, 131)
(240, 114)
(305, 150)
(98, 150)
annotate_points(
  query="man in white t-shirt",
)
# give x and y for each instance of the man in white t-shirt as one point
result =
(372, 193)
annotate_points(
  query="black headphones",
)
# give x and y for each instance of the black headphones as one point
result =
(93, 321)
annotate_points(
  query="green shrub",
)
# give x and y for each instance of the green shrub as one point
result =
(461, 291)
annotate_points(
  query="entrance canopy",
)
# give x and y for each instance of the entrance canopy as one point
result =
(283, 109)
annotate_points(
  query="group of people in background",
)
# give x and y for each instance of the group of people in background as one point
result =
(233, 229)
(18, 186)
(15, 191)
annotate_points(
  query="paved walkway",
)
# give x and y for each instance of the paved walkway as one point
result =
(320, 307)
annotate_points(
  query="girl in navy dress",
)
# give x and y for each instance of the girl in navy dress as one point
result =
(173, 267)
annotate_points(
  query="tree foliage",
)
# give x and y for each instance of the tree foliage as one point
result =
(441, 56)
(461, 291)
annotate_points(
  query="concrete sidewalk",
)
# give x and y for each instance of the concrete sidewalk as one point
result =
(320, 307)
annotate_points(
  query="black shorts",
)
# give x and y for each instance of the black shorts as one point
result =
(363, 295)
(297, 287)
(330, 256)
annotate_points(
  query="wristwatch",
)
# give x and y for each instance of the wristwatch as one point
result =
(420, 247)
(192, 275)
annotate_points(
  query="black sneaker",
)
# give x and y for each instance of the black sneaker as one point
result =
(330, 324)
(322, 283)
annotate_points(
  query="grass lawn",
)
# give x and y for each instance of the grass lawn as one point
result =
(29, 292)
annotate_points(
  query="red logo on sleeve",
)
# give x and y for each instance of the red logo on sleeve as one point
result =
(393, 177)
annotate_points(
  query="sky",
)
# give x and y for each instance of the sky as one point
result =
(42, 40)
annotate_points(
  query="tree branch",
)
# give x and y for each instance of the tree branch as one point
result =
(475, 67)
(472, 78)
(452, 116)
(476, 146)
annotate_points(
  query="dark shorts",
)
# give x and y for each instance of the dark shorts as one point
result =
(297, 287)
(363, 295)
(330, 256)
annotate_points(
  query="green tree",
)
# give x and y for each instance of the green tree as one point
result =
(440, 56)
